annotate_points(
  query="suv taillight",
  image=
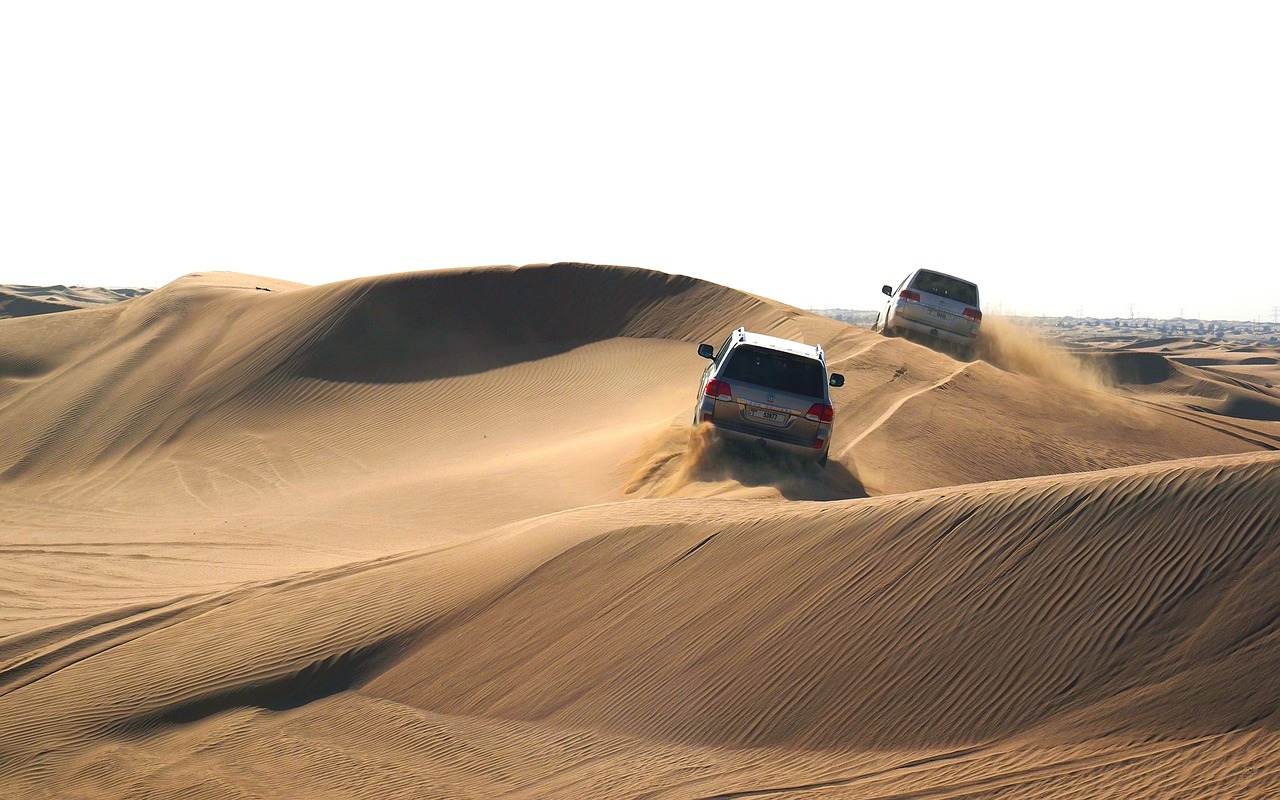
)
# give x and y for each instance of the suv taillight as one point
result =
(973, 314)
(820, 412)
(718, 389)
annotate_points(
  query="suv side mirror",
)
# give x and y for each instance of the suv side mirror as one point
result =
(886, 289)
(706, 351)
(837, 380)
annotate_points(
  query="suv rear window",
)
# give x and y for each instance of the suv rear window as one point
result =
(782, 371)
(946, 286)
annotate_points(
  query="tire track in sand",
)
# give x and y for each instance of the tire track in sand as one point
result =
(897, 404)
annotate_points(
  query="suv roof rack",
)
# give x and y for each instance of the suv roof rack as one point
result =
(739, 336)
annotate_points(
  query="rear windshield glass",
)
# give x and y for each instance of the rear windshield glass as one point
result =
(781, 371)
(946, 286)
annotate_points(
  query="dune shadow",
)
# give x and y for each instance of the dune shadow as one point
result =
(322, 678)
(421, 326)
(1259, 407)
(1128, 368)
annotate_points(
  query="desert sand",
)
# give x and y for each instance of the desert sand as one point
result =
(23, 301)
(451, 534)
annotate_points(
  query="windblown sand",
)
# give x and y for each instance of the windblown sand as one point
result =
(451, 534)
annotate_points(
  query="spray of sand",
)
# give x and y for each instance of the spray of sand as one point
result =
(682, 456)
(1015, 348)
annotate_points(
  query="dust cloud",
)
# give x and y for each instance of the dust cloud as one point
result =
(1012, 347)
(682, 456)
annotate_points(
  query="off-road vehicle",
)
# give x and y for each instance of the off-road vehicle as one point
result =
(770, 392)
(929, 305)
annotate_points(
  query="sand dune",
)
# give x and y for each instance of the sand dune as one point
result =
(451, 534)
(24, 301)
(1238, 382)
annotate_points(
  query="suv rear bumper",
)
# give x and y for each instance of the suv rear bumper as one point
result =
(931, 331)
(753, 436)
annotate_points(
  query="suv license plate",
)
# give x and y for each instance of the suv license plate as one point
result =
(767, 416)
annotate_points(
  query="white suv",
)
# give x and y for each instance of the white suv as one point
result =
(932, 305)
(768, 391)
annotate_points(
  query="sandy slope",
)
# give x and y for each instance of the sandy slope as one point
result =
(449, 534)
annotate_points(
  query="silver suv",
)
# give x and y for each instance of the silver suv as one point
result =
(931, 304)
(768, 391)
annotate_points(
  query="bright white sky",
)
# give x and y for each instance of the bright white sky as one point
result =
(1065, 155)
